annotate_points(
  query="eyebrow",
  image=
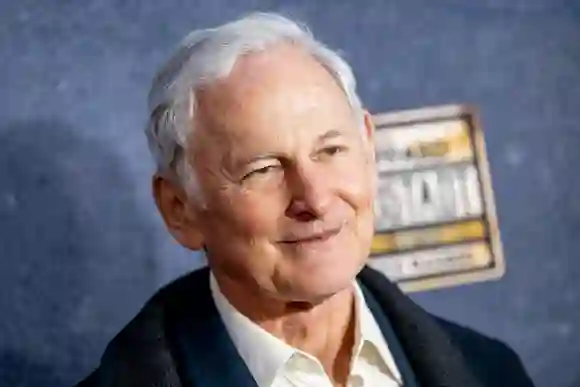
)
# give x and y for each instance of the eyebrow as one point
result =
(264, 156)
(333, 133)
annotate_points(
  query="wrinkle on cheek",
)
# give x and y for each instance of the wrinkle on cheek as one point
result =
(357, 186)
(258, 217)
(240, 211)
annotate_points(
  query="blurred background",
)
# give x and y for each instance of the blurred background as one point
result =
(81, 244)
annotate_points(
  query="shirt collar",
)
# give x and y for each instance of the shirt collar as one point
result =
(369, 334)
(265, 354)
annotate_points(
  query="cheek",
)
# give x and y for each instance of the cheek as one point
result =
(255, 216)
(357, 186)
(358, 191)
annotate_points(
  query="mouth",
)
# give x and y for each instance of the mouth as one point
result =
(313, 238)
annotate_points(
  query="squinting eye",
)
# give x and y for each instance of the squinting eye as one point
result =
(332, 150)
(261, 171)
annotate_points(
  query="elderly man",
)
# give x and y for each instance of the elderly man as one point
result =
(266, 161)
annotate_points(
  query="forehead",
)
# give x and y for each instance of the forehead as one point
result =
(273, 93)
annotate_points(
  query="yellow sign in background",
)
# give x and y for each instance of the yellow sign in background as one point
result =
(436, 224)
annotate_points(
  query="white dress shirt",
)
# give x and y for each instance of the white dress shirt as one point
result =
(273, 363)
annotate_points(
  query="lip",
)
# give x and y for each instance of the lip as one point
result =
(318, 237)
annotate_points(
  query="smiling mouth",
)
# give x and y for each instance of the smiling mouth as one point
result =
(318, 237)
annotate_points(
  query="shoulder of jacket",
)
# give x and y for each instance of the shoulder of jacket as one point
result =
(140, 354)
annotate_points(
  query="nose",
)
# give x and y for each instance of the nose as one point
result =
(310, 193)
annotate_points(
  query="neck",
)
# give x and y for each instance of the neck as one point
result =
(324, 329)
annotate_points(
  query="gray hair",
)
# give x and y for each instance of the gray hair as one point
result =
(210, 54)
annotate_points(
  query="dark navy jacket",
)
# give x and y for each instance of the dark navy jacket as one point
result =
(179, 340)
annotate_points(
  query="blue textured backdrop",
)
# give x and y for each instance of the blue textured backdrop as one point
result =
(82, 247)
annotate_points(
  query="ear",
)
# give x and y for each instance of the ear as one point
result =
(369, 128)
(180, 215)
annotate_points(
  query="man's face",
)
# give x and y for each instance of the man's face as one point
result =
(287, 175)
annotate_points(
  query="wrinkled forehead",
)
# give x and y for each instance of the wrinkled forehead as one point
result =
(272, 93)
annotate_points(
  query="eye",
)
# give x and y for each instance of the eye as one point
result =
(261, 171)
(333, 150)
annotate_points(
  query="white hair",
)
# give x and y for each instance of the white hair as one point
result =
(210, 54)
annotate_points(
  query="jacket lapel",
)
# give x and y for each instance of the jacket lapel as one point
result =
(434, 360)
(206, 356)
(407, 374)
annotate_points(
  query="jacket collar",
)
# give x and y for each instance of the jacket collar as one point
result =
(433, 357)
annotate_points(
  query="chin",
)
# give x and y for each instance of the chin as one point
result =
(323, 281)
